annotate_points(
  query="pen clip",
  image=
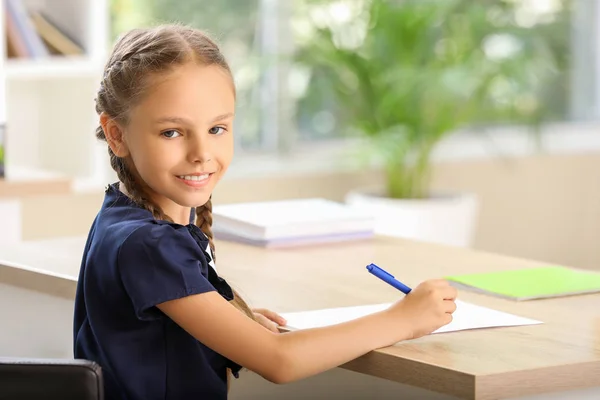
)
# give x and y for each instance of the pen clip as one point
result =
(373, 266)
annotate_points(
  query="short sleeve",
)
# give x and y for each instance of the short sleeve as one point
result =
(158, 263)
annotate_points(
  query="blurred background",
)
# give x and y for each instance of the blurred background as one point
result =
(464, 123)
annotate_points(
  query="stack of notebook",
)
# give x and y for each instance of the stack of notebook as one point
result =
(290, 222)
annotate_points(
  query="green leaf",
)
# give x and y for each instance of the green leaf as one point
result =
(427, 68)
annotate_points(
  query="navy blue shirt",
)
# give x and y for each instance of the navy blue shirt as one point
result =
(131, 263)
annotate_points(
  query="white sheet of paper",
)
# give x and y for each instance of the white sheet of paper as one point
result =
(466, 316)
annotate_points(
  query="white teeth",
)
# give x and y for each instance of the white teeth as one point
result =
(194, 177)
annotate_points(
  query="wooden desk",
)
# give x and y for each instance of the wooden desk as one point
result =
(560, 355)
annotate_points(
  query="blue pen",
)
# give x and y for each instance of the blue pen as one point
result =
(388, 278)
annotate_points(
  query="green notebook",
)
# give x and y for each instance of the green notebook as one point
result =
(528, 284)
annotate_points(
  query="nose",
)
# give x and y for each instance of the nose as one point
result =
(199, 149)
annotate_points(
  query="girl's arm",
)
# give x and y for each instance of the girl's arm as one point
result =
(287, 357)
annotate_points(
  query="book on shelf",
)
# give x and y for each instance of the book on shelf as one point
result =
(287, 223)
(15, 44)
(16, 10)
(56, 40)
(31, 34)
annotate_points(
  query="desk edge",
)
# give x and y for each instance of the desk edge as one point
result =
(538, 381)
(39, 281)
(415, 373)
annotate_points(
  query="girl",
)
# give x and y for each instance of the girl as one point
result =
(150, 308)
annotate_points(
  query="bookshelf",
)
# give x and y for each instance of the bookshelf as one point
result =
(50, 116)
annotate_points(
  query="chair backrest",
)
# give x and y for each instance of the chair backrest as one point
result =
(27, 379)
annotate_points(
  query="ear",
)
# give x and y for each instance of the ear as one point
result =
(114, 135)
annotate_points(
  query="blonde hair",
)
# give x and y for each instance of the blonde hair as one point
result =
(136, 56)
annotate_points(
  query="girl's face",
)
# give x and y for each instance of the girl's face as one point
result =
(180, 137)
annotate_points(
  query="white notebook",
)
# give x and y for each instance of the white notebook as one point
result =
(295, 218)
(466, 316)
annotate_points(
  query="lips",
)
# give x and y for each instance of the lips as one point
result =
(196, 177)
(195, 180)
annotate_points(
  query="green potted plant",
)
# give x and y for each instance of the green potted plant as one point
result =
(403, 75)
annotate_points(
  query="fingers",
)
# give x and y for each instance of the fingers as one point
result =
(267, 323)
(439, 282)
(273, 316)
(450, 306)
(444, 288)
(448, 319)
(269, 319)
(450, 293)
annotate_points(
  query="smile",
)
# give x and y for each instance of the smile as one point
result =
(195, 181)
(194, 177)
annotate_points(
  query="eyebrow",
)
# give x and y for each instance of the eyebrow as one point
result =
(174, 120)
(221, 117)
(185, 121)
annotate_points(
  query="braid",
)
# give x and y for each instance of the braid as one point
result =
(204, 222)
(135, 192)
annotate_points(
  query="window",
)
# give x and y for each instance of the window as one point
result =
(285, 97)
(233, 23)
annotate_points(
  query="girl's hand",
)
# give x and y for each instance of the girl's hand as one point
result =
(428, 307)
(269, 319)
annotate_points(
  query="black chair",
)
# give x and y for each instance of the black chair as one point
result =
(28, 379)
